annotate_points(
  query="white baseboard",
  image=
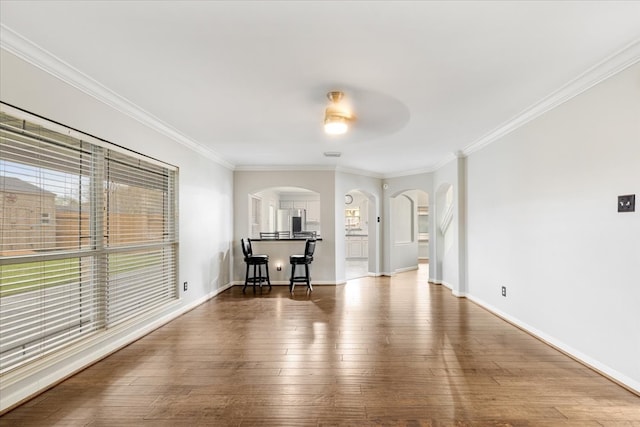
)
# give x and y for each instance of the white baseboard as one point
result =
(404, 269)
(605, 370)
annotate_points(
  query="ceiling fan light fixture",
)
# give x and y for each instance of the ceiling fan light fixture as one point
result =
(335, 125)
(336, 116)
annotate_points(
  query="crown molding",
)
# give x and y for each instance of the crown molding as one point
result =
(28, 51)
(446, 159)
(283, 168)
(613, 64)
(359, 172)
(410, 172)
(304, 168)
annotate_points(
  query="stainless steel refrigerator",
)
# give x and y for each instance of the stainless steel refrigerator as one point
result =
(291, 220)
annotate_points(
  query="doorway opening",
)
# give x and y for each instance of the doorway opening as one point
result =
(409, 230)
(356, 234)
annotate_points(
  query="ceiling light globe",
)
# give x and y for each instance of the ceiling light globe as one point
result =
(335, 127)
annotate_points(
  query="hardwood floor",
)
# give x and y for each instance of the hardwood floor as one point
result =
(377, 351)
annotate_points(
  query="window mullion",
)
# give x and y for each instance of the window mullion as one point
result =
(97, 231)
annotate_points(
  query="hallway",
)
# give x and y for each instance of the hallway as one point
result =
(376, 351)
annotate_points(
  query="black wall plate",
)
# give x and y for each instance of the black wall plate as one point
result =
(627, 203)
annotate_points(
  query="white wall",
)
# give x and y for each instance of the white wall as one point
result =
(270, 198)
(542, 221)
(205, 216)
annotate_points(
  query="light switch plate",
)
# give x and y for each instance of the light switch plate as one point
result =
(627, 203)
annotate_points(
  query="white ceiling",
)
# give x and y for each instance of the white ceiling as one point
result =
(248, 79)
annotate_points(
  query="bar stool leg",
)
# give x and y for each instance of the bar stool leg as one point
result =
(308, 277)
(246, 279)
(254, 277)
(266, 267)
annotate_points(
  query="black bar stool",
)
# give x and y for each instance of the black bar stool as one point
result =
(257, 261)
(295, 260)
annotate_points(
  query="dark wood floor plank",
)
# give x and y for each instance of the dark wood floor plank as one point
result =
(374, 352)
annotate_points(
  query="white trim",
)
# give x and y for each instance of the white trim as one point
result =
(100, 350)
(37, 56)
(446, 285)
(447, 218)
(606, 68)
(553, 341)
(446, 159)
(359, 172)
(277, 168)
(412, 172)
(405, 269)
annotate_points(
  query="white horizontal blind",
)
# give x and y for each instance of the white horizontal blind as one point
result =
(138, 282)
(45, 306)
(139, 236)
(87, 238)
(44, 181)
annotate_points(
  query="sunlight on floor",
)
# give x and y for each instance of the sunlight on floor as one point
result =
(356, 268)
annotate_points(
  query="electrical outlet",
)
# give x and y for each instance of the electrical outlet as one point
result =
(504, 291)
(185, 286)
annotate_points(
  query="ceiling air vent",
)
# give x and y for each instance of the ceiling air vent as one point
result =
(332, 154)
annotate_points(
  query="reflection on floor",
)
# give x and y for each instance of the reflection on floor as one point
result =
(355, 268)
(376, 351)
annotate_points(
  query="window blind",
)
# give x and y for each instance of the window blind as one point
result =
(87, 237)
(139, 232)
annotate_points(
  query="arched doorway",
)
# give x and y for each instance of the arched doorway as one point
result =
(409, 237)
(360, 234)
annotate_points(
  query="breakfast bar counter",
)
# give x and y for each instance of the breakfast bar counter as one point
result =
(279, 251)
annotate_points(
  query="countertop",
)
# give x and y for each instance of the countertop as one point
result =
(289, 239)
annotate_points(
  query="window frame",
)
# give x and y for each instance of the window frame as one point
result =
(160, 271)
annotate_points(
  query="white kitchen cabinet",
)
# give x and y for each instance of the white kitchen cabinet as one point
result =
(356, 246)
(313, 211)
(286, 204)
